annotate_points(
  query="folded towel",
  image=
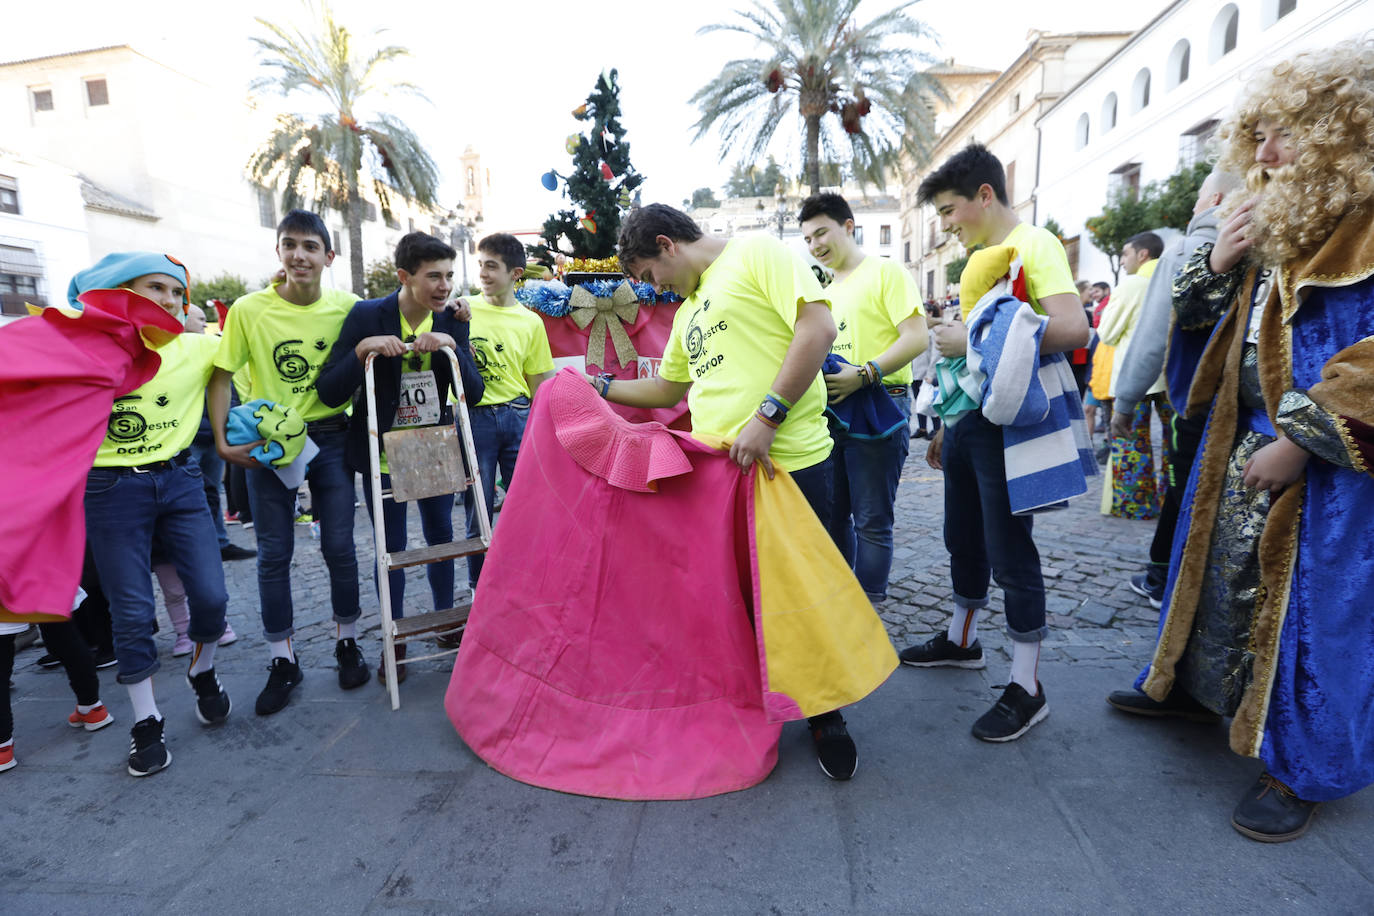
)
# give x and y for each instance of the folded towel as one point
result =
(281, 426)
(868, 413)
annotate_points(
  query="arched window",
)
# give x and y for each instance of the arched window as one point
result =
(1178, 64)
(1108, 118)
(1225, 29)
(1081, 132)
(1140, 90)
(1274, 10)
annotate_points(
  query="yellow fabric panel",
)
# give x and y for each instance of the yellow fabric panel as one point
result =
(824, 645)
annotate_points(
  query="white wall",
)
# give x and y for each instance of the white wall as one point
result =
(51, 220)
(1074, 181)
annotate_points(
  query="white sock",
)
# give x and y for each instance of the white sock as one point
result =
(85, 709)
(141, 695)
(1025, 658)
(282, 649)
(203, 659)
(963, 626)
(347, 630)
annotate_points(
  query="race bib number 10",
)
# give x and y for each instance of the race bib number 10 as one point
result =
(419, 404)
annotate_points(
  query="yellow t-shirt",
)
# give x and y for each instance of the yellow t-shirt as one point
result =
(1042, 261)
(729, 340)
(508, 344)
(159, 419)
(868, 305)
(284, 345)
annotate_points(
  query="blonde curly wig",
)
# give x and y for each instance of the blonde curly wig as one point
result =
(1325, 98)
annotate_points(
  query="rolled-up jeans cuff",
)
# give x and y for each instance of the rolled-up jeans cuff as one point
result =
(351, 618)
(970, 604)
(279, 636)
(139, 676)
(1037, 635)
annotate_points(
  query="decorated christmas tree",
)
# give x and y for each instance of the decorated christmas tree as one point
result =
(602, 184)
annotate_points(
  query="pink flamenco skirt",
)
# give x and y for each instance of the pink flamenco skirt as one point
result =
(611, 650)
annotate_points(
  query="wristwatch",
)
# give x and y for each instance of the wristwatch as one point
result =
(771, 410)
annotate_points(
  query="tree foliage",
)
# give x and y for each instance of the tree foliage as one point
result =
(752, 181)
(591, 228)
(704, 197)
(226, 288)
(380, 279)
(326, 157)
(1160, 204)
(859, 89)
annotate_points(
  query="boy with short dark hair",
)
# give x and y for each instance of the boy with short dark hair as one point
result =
(412, 391)
(881, 329)
(512, 352)
(984, 539)
(143, 486)
(284, 333)
(746, 349)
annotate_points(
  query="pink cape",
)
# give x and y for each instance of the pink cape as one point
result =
(60, 372)
(648, 615)
(642, 680)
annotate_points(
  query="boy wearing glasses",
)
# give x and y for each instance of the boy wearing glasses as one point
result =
(412, 390)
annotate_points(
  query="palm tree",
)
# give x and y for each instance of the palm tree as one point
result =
(328, 154)
(858, 88)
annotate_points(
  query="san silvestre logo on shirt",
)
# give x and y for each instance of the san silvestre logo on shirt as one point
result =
(294, 365)
(488, 357)
(128, 425)
(698, 333)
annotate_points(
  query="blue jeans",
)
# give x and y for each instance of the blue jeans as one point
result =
(212, 472)
(866, 476)
(274, 515)
(496, 433)
(817, 484)
(979, 525)
(124, 511)
(436, 521)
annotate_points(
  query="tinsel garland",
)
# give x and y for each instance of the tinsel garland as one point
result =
(551, 297)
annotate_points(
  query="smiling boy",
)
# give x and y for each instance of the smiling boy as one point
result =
(512, 352)
(283, 334)
(143, 486)
(984, 539)
(881, 329)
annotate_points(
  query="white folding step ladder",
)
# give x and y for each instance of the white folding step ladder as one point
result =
(423, 462)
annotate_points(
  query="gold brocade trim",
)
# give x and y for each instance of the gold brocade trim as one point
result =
(1357, 462)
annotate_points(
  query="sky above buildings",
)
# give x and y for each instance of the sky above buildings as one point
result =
(505, 77)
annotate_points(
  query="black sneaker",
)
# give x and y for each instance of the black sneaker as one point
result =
(1141, 585)
(1012, 715)
(235, 552)
(352, 669)
(147, 750)
(1271, 812)
(940, 651)
(282, 678)
(1177, 705)
(49, 661)
(212, 702)
(105, 658)
(835, 750)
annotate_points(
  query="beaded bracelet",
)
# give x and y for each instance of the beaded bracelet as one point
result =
(875, 372)
(758, 415)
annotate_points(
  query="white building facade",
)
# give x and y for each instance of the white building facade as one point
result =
(159, 162)
(43, 236)
(1154, 104)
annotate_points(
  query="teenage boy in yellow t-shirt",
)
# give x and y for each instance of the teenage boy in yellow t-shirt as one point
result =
(283, 334)
(881, 329)
(983, 538)
(512, 352)
(746, 350)
(145, 485)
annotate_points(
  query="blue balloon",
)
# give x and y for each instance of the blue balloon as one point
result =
(549, 180)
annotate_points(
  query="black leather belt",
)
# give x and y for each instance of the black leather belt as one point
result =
(896, 390)
(176, 460)
(334, 424)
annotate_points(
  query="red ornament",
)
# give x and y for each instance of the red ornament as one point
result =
(606, 172)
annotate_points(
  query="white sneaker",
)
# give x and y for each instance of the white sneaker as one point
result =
(183, 646)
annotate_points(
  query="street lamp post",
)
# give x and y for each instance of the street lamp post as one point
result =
(461, 233)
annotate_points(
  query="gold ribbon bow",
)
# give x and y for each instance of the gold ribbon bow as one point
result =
(623, 305)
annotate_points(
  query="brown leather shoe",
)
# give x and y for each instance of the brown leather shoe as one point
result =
(400, 668)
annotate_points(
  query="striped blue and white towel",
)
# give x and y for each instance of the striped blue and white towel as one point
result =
(1034, 399)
